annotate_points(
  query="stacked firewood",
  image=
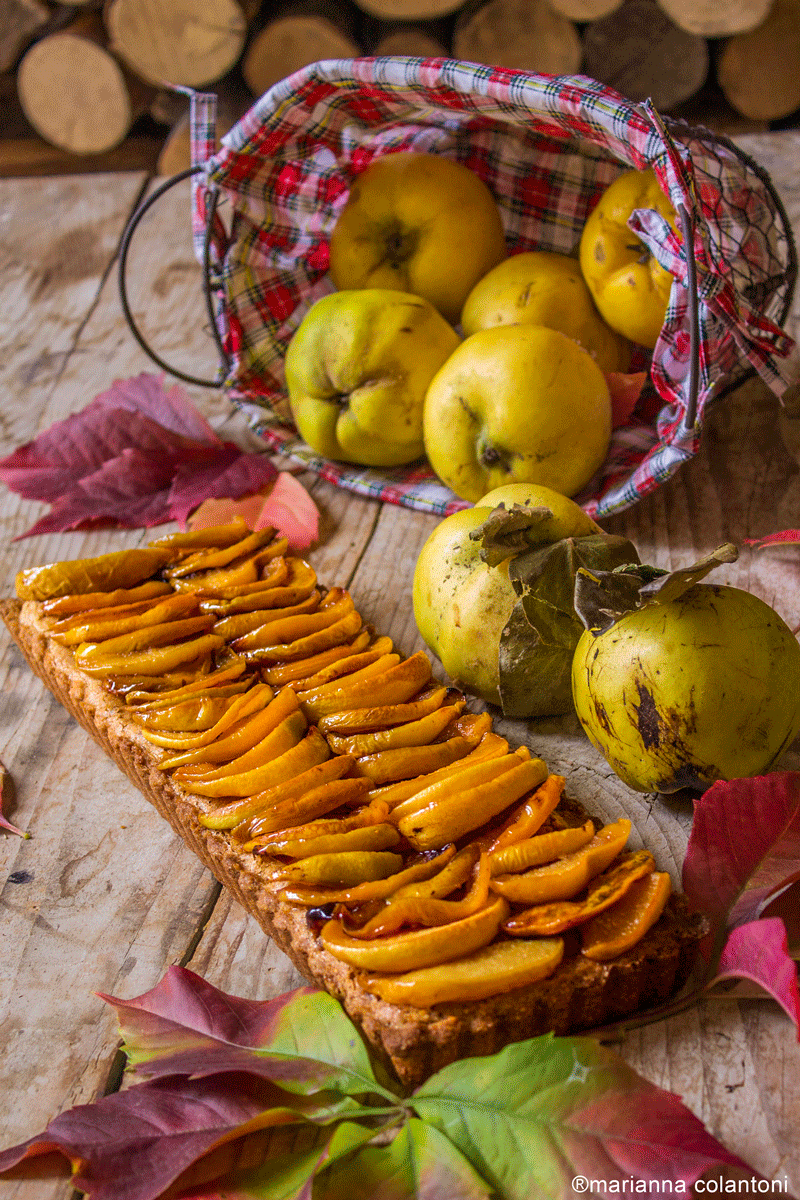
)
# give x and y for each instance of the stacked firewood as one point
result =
(83, 73)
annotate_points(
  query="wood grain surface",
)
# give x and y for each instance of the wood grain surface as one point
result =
(102, 897)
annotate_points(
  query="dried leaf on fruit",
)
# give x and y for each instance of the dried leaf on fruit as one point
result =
(136, 455)
(538, 643)
(744, 849)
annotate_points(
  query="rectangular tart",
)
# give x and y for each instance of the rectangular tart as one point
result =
(579, 994)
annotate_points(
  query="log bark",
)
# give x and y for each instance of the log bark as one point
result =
(74, 92)
(759, 71)
(584, 10)
(178, 42)
(522, 34)
(303, 33)
(409, 10)
(20, 21)
(642, 53)
(413, 39)
(710, 18)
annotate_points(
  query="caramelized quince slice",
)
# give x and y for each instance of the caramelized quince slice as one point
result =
(166, 633)
(207, 557)
(296, 672)
(379, 889)
(420, 947)
(413, 733)
(621, 926)
(284, 803)
(447, 820)
(232, 669)
(374, 836)
(254, 771)
(411, 910)
(541, 849)
(397, 683)
(421, 775)
(312, 804)
(345, 869)
(211, 537)
(368, 720)
(241, 623)
(157, 660)
(64, 606)
(106, 623)
(299, 582)
(563, 879)
(531, 815)
(122, 569)
(498, 967)
(249, 788)
(278, 633)
(345, 665)
(603, 891)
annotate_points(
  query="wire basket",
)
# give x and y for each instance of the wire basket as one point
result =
(547, 147)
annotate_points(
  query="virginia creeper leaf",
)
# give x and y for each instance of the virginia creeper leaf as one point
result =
(6, 790)
(784, 538)
(302, 1040)
(743, 850)
(420, 1163)
(540, 1112)
(744, 846)
(133, 1144)
(285, 504)
(759, 951)
(137, 455)
(625, 390)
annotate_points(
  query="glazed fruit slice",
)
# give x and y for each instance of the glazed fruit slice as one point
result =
(419, 948)
(498, 967)
(563, 879)
(619, 928)
(606, 889)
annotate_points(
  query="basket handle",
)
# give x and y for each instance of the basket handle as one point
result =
(687, 230)
(130, 229)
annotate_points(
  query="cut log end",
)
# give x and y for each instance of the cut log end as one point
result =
(74, 94)
(185, 42)
(289, 43)
(522, 34)
(759, 71)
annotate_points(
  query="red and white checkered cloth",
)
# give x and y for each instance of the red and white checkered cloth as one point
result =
(546, 147)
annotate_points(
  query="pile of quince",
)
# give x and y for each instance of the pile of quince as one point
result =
(377, 373)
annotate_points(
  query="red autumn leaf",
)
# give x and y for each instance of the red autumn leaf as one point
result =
(744, 845)
(760, 951)
(743, 850)
(784, 538)
(137, 455)
(229, 473)
(625, 392)
(163, 1127)
(6, 788)
(286, 506)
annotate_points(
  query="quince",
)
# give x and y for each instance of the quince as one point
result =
(517, 404)
(418, 223)
(630, 288)
(466, 590)
(357, 370)
(541, 288)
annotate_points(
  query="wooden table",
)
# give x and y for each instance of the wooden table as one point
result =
(103, 896)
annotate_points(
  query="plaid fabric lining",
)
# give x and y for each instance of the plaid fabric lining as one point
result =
(547, 147)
